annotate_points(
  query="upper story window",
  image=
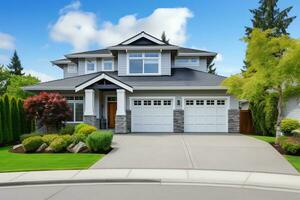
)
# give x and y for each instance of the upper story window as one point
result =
(144, 63)
(72, 68)
(187, 62)
(90, 65)
(107, 64)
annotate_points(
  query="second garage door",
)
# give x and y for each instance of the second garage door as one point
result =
(205, 115)
(151, 115)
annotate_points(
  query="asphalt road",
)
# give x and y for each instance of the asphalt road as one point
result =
(143, 191)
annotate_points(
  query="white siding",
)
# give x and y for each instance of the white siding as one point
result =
(201, 67)
(122, 62)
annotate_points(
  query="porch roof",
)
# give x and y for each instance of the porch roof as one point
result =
(181, 78)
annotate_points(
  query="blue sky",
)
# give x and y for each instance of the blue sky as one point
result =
(42, 31)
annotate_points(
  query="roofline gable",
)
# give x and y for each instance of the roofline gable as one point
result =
(141, 35)
(101, 77)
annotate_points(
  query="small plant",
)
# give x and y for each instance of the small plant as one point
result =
(67, 130)
(79, 126)
(67, 138)
(100, 141)
(79, 137)
(49, 138)
(86, 130)
(296, 132)
(59, 144)
(24, 136)
(288, 125)
(31, 144)
(291, 145)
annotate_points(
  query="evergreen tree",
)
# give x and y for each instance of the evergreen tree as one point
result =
(211, 69)
(164, 37)
(1, 122)
(7, 120)
(22, 117)
(269, 16)
(15, 66)
(15, 118)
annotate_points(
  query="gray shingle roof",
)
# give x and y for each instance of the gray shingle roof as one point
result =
(189, 50)
(98, 51)
(180, 77)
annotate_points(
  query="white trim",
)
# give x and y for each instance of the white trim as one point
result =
(143, 57)
(142, 48)
(94, 60)
(74, 108)
(102, 64)
(145, 36)
(196, 54)
(180, 88)
(152, 97)
(103, 76)
(72, 65)
(88, 55)
(121, 102)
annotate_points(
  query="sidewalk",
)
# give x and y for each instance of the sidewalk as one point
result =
(163, 176)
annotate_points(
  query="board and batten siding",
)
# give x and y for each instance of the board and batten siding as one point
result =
(67, 74)
(165, 63)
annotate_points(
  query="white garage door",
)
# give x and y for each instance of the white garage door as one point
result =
(152, 115)
(205, 115)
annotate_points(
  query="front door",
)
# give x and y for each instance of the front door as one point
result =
(111, 112)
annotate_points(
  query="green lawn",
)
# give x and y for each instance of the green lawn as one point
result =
(294, 160)
(12, 162)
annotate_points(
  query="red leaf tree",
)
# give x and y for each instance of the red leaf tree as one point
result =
(50, 109)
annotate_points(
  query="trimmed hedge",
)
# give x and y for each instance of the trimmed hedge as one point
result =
(24, 136)
(100, 141)
(86, 130)
(31, 144)
(13, 121)
(79, 126)
(288, 125)
(59, 144)
(49, 138)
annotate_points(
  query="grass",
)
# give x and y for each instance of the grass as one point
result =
(13, 162)
(294, 160)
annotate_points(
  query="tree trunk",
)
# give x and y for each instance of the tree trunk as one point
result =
(279, 117)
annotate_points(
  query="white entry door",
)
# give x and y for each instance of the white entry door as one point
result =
(205, 115)
(151, 115)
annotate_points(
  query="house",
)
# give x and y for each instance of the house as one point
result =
(145, 85)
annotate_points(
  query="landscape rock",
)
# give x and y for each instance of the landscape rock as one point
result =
(80, 148)
(42, 148)
(18, 149)
(70, 148)
(48, 150)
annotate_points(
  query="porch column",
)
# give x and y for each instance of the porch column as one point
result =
(121, 120)
(89, 115)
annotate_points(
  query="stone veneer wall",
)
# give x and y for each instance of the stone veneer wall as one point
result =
(128, 118)
(90, 119)
(178, 121)
(121, 124)
(233, 121)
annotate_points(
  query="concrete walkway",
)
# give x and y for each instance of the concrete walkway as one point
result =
(208, 177)
(211, 151)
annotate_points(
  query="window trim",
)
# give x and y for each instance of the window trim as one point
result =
(72, 72)
(94, 60)
(102, 64)
(74, 101)
(143, 58)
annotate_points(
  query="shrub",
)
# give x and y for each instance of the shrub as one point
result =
(288, 125)
(296, 132)
(86, 130)
(59, 144)
(67, 130)
(32, 143)
(290, 144)
(99, 141)
(24, 136)
(49, 138)
(67, 138)
(78, 137)
(79, 126)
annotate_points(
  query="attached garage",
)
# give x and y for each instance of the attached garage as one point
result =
(206, 114)
(152, 114)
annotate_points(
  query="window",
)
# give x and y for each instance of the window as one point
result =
(189, 102)
(72, 68)
(157, 102)
(199, 102)
(147, 103)
(90, 66)
(76, 105)
(167, 102)
(107, 64)
(137, 103)
(210, 102)
(143, 63)
(112, 99)
(187, 61)
(220, 102)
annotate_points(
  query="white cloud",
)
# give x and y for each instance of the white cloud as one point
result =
(80, 28)
(73, 6)
(4, 59)
(6, 41)
(42, 76)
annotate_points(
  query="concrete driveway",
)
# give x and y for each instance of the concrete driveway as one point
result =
(212, 151)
